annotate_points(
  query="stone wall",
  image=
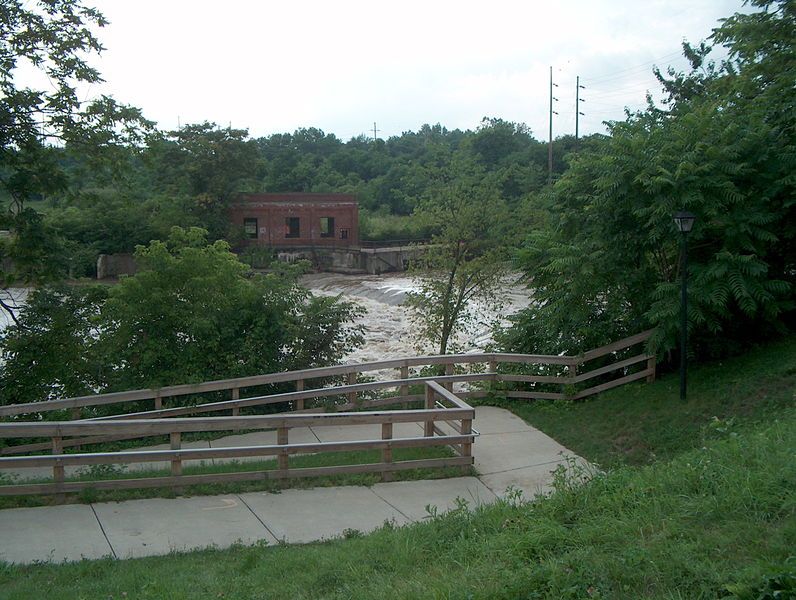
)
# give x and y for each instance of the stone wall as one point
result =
(111, 266)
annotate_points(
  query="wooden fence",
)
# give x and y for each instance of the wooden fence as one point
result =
(355, 409)
(441, 406)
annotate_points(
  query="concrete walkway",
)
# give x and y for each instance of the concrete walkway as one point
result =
(508, 454)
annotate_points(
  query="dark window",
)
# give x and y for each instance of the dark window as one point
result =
(292, 229)
(250, 228)
(344, 234)
(327, 227)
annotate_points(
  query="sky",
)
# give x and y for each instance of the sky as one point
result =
(273, 67)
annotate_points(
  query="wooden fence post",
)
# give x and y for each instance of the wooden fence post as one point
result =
(299, 388)
(176, 463)
(386, 453)
(449, 371)
(651, 364)
(405, 388)
(281, 439)
(572, 372)
(58, 468)
(158, 401)
(429, 426)
(492, 369)
(352, 396)
(466, 448)
(235, 396)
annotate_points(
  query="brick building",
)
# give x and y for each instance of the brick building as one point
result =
(297, 219)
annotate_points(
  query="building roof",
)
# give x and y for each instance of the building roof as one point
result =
(296, 197)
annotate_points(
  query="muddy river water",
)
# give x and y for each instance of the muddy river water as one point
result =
(388, 328)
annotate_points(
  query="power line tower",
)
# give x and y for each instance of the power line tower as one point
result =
(375, 131)
(550, 139)
(578, 100)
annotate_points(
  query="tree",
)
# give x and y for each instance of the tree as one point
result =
(465, 261)
(207, 165)
(191, 313)
(723, 147)
(36, 125)
(50, 353)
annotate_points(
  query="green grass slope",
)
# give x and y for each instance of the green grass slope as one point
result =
(638, 423)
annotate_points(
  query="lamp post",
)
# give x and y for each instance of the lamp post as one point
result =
(684, 221)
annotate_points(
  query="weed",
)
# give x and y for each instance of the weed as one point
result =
(350, 534)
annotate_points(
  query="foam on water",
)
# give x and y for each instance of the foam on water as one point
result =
(387, 323)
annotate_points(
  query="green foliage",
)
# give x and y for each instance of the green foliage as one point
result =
(191, 313)
(107, 222)
(774, 587)
(32, 249)
(257, 257)
(382, 226)
(465, 262)
(54, 38)
(208, 165)
(41, 128)
(51, 353)
(606, 262)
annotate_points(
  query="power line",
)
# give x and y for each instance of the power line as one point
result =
(641, 66)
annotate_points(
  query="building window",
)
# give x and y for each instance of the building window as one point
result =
(344, 234)
(250, 228)
(292, 228)
(327, 227)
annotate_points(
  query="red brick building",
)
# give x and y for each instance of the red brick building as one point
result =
(297, 219)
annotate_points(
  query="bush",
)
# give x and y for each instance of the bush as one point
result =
(190, 314)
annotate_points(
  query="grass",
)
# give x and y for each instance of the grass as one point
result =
(638, 423)
(713, 522)
(110, 472)
(381, 226)
(693, 507)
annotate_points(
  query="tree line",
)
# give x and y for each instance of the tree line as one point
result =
(188, 178)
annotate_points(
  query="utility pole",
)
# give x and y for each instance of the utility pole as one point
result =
(578, 100)
(550, 142)
(375, 131)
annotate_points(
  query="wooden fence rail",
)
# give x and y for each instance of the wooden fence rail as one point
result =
(351, 372)
(446, 419)
(458, 413)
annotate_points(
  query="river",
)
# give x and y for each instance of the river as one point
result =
(388, 329)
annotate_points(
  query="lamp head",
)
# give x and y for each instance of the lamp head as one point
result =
(684, 220)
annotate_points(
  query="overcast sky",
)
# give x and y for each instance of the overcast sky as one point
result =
(277, 66)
